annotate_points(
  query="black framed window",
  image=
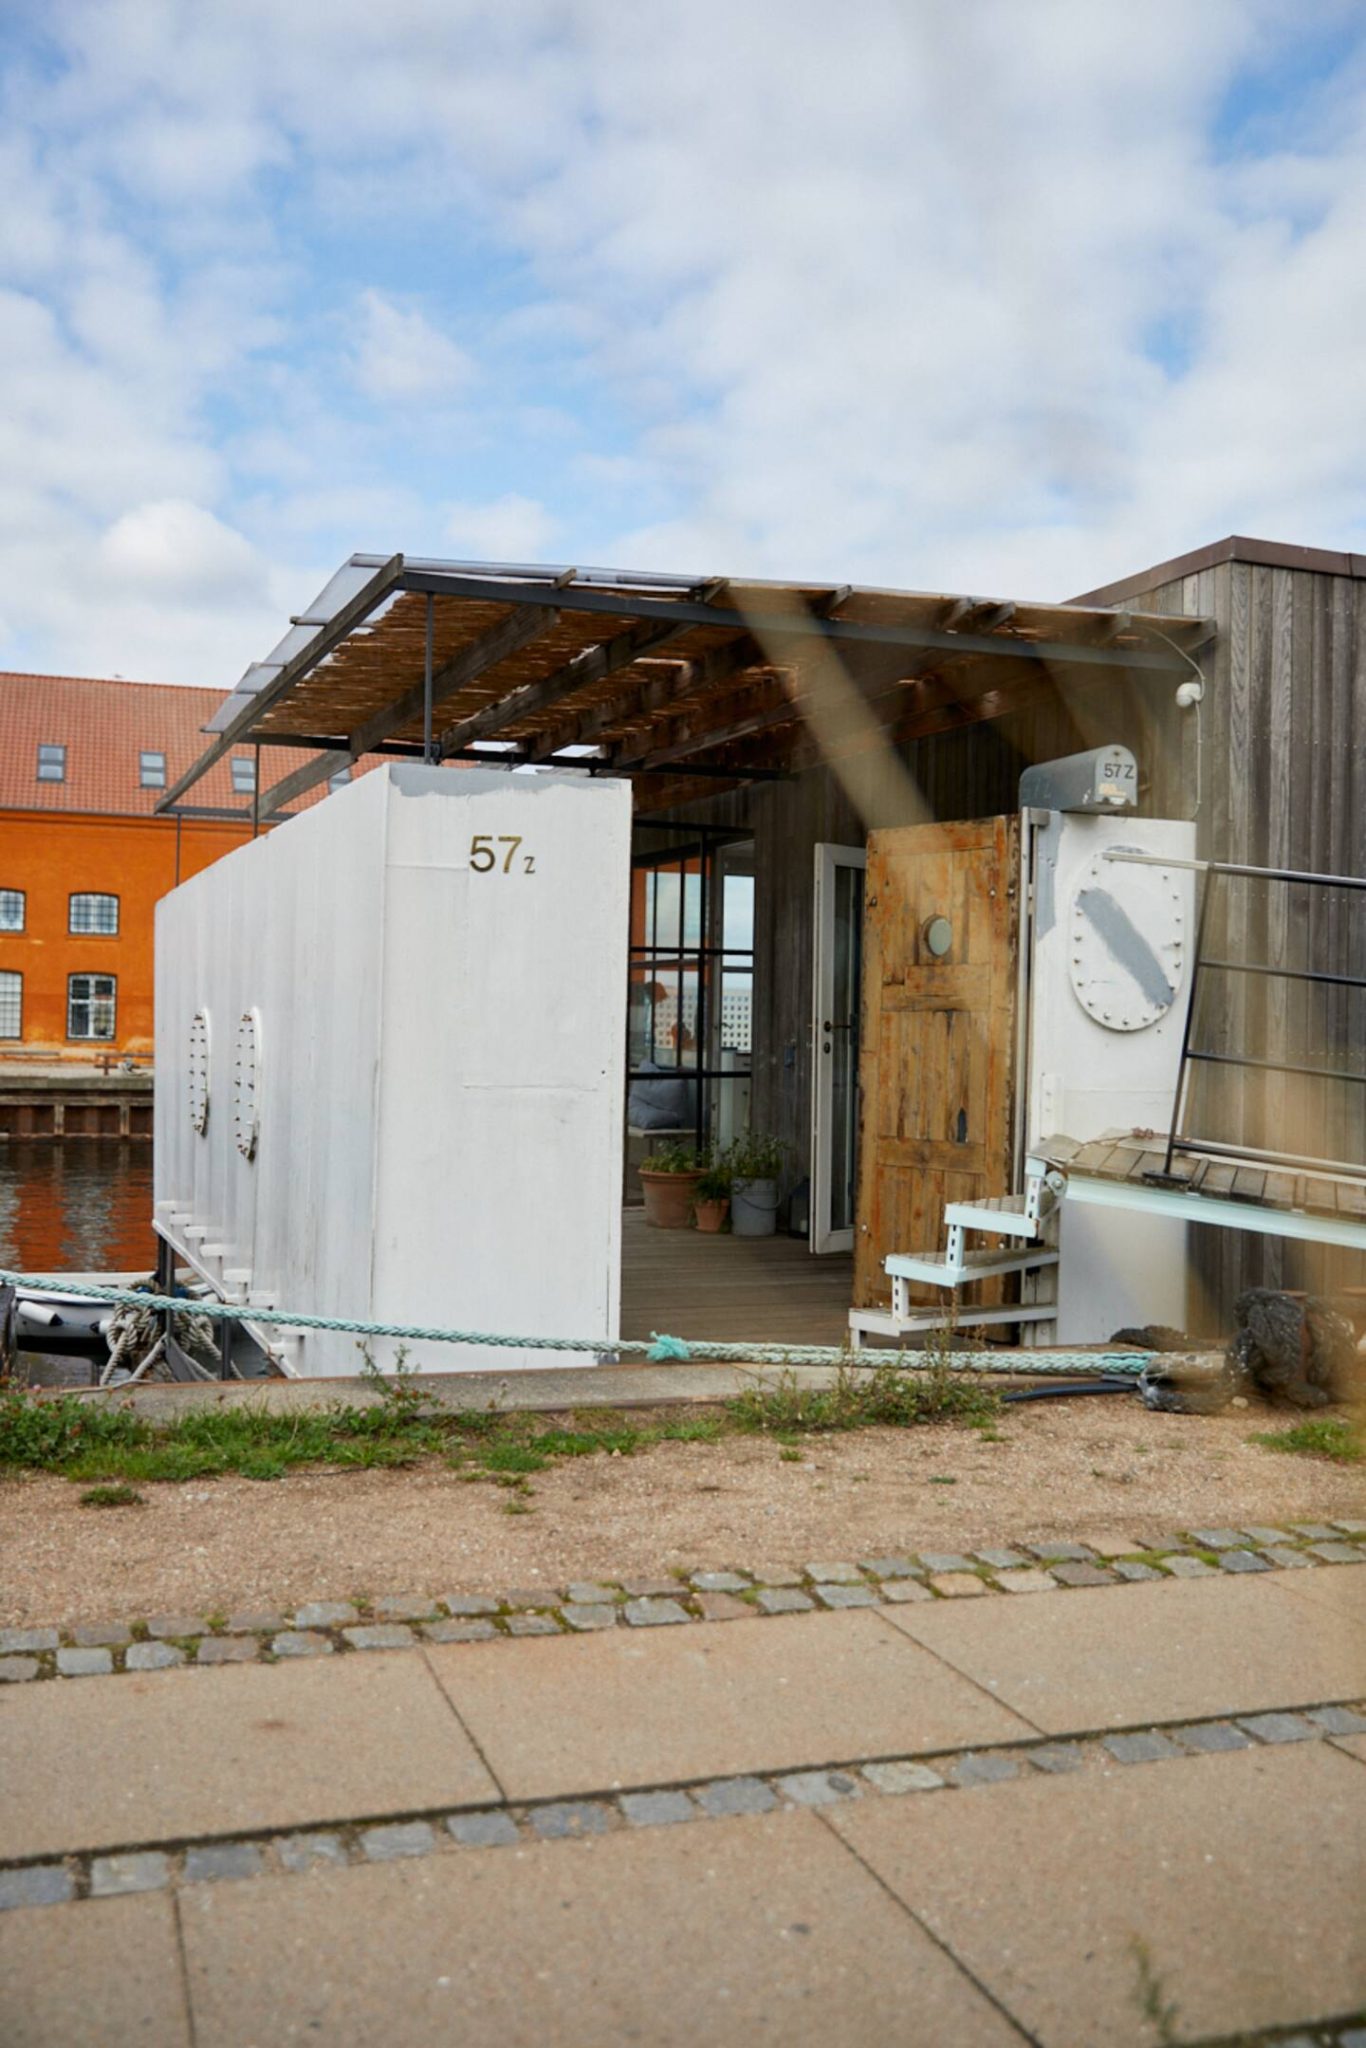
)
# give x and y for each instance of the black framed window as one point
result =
(51, 763)
(11, 1005)
(94, 914)
(12, 908)
(690, 997)
(90, 1005)
(151, 769)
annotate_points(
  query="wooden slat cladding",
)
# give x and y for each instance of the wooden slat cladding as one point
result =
(1284, 785)
(936, 1068)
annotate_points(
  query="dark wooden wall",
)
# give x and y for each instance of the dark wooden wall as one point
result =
(1282, 783)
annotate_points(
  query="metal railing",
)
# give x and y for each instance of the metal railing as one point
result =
(1178, 1140)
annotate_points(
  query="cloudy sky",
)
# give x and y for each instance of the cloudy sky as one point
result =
(1003, 296)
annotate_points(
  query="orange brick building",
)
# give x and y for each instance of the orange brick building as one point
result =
(83, 860)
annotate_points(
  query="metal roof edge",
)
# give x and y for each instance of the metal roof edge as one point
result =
(1269, 554)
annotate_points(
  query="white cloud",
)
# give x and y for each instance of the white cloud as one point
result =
(506, 529)
(400, 356)
(971, 297)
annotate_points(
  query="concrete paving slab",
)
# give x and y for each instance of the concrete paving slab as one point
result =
(96, 1975)
(724, 1933)
(1341, 1591)
(1184, 1650)
(660, 1705)
(1239, 1875)
(167, 1755)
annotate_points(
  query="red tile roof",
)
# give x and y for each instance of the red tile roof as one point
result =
(105, 724)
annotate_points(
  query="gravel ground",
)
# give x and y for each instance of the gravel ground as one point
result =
(1074, 1469)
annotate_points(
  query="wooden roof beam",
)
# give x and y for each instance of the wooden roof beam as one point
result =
(590, 666)
(495, 645)
(762, 718)
(347, 619)
(648, 695)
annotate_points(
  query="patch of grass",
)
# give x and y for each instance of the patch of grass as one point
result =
(790, 1455)
(111, 1497)
(513, 1457)
(694, 1429)
(887, 1395)
(105, 1444)
(1326, 1436)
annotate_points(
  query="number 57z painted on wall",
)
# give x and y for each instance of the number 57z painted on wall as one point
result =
(484, 858)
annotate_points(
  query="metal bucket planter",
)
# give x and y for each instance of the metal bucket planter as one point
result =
(669, 1198)
(711, 1216)
(754, 1208)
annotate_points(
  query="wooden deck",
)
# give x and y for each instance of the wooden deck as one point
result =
(691, 1285)
(1131, 1156)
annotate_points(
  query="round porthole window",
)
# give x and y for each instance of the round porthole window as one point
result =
(1128, 944)
(246, 1079)
(937, 933)
(199, 1071)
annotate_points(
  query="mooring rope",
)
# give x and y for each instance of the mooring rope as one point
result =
(659, 1350)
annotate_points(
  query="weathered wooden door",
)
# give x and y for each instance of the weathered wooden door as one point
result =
(937, 1059)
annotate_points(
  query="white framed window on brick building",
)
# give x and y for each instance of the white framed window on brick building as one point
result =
(11, 1005)
(12, 909)
(90, 1005)
(94, 914)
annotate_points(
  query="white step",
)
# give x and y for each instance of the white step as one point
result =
(934, 1269)
(881, 1322)
(1001, 1215)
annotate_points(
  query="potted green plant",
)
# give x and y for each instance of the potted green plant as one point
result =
(754, 1162)
(711, 1198)
(668, 1180)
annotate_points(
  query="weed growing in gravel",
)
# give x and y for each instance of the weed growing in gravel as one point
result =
(858, 1399)
(1325, 1436)
(94, 1442)
(111, 1497)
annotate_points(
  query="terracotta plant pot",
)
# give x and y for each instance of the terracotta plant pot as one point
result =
(711, 1216)
(668, 1198)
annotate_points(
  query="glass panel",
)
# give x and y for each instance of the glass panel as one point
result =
(98, 914)
(692, 905)
(11, 1005)
(737, 1002)
(11, 910)
(737, 913)
(844, 1045)
(90, 1006)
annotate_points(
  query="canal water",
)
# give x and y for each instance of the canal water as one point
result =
(76, 1205)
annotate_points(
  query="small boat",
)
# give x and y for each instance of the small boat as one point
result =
(61, 1322)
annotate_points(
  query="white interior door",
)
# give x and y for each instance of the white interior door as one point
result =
(834, 1045)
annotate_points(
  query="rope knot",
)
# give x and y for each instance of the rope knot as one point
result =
(665, 1349)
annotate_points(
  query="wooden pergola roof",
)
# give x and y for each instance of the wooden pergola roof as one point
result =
(673, 681)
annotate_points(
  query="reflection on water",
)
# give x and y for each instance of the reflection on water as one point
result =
(76, 1205)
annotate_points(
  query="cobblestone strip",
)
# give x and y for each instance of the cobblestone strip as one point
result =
(56, 1881)
(322, 1628)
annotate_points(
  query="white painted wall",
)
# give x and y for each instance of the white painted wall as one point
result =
(1123, 1267)
(443, 1062)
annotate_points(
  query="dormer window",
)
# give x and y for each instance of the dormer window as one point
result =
(51, 763)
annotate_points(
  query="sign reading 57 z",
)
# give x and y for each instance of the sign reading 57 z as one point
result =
(487, 856)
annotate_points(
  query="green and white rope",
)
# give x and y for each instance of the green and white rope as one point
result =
(659, 1350)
